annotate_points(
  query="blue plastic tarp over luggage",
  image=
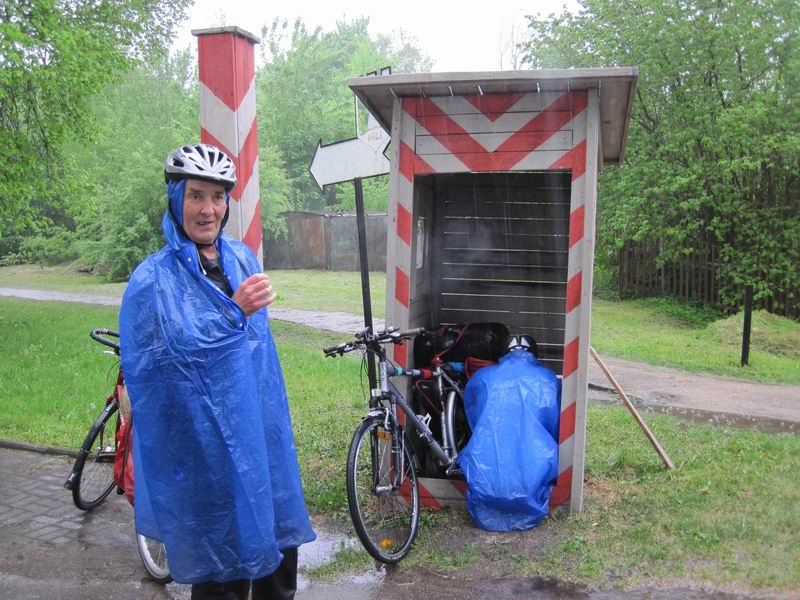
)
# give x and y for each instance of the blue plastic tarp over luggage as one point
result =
(511, 461)
(216, 471)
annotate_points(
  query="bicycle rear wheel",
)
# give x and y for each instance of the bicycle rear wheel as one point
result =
(154, 558)
(385, 516)
(94, 468)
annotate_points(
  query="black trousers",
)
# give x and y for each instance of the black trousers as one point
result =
(281, 585)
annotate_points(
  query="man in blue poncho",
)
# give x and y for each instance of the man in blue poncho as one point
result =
(511, 460)
(216, 472)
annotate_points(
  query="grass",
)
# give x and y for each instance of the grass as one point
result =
(53, 378)
(61, 278)
(664, 332)
(654, 330)
(338, 291)
(729, 515)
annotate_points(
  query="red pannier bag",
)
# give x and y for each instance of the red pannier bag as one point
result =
(123, 461)
(473, 364)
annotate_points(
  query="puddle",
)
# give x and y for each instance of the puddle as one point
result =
(324, 548)
(538, 587)
(708, 417)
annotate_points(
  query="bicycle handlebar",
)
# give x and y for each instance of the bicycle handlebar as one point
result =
(364, 337)
(97, 336)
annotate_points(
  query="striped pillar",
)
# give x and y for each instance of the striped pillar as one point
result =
(225, 58)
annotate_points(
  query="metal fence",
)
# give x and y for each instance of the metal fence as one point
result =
(323, 241)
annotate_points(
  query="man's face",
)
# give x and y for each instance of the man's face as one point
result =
(203, 210)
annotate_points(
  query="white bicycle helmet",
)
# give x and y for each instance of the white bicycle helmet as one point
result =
(201, 161)
(524, 342)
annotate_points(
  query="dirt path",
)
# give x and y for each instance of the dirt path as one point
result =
(659, 388)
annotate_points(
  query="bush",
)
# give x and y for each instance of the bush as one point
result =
(58, 247)
(9, 244)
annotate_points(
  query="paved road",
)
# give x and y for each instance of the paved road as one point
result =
(51, 550)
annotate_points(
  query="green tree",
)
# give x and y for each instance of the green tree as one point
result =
(303, 96)
(274, 189)
(119, 183)
(55, 57)
(714, 138)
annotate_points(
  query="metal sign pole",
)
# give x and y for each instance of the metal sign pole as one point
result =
(361, 222)
(748, 318)
(351, 160)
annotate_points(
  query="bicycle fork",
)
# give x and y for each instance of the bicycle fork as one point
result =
(390, 435)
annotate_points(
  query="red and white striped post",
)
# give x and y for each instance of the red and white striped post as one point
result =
(226, 61)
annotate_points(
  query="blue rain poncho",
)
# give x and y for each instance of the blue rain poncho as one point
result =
(215, 464)
(511, 461)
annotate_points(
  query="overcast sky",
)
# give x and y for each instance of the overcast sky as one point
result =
(458, 36)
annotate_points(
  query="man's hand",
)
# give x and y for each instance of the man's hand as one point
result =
(254, 294)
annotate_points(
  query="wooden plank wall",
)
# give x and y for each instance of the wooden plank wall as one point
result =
(500, 253)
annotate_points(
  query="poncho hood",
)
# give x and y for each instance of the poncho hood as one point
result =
(172, 221)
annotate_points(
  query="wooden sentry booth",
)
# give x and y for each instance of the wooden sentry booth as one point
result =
(493, 188)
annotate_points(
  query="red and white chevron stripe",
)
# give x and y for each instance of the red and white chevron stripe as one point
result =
(228, 121)
(506, 132)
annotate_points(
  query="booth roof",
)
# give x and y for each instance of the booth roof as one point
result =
(616, 86)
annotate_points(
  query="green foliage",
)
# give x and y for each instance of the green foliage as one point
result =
(121, 197)
(274, 186)
(90, 106)
(58, 247)
(303, 97)
(376, 195)
(714, 140)
(55, 56)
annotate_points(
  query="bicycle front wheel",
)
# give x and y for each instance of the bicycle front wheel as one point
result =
(94, 469)
(385, 515)
(154, 558)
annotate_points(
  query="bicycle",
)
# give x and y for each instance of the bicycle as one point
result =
(91, 479)
(382, 486)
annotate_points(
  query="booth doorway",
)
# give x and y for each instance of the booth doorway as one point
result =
(494, 249)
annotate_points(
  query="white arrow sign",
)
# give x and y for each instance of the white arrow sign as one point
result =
(361, 156)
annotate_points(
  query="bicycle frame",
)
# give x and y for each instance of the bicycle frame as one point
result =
(446, 456)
